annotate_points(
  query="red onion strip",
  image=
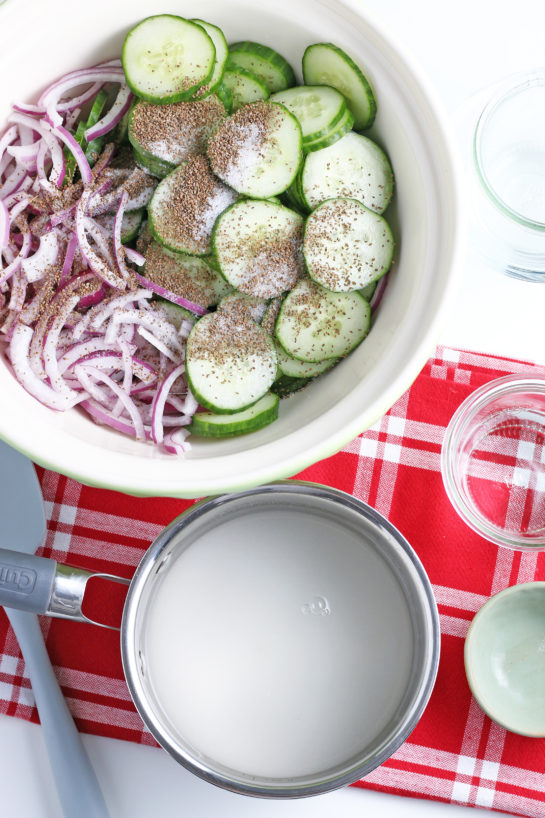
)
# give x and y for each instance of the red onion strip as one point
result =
(76, 151)
(128, 403)
(19, 356)
(4, 226)
(50, 346)
(113, 117)
(102, 416)
(158, 406)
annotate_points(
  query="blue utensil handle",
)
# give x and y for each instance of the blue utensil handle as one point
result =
(77, 786)
(26, 581)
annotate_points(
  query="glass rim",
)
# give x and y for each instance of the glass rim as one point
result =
(510, 87)
(454, 433)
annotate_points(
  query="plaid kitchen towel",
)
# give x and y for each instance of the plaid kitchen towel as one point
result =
(455, 753)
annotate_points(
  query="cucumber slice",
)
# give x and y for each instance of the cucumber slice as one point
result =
(175, 313)
(367, 291)
(354, 167)
(257, 150)
(91, 149)
(267, 64)
(167, 58)
(241, 307)
(258, 247)
(318, 109)
(207, 424)
(344, 126)
(245, 87)
(327, 64)
(271, 314)
(294, 368)
(230, 364)
(185, 206)
(164, 136)
(187, 277)
(130, 226)
(285, 386)
(226, 95)
(346, 246)
(315, 324)
(222, 52)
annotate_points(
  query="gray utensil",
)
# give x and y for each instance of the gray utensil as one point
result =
(22, 528)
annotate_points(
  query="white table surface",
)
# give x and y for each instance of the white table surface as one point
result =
(462, 47)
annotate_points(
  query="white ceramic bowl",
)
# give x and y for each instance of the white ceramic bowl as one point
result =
(425, 216)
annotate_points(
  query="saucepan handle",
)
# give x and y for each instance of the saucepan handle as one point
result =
(44, 586)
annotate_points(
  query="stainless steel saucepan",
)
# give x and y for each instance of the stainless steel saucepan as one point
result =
(279, 642)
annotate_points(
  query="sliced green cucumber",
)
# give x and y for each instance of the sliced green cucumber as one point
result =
(284, 386)
(257, 150)
(175, 313)
(354, 167)
(91, 149)
(185, 276)
(245, 87)
(346, 246)
(185, 206)
(367, 291)
(207, 424)
(130, 226)
(318, 109)
(167, 58)
(226, 95)
(344, 126)
(242, 306)
(222, 52)
(230, 364)
(164, 136)
(294, 368)
(327, 64)
(315, 324)
(266, 63)
(270, 315)
(258, 247)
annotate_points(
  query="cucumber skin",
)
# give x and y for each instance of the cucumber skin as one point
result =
(232, 68)
(284, 386)
(334, 135)
(268, 54)
(157, 167)
(181, 96)
(357, 70)
(200, 426)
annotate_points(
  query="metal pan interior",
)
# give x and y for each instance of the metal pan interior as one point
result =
(280, 642)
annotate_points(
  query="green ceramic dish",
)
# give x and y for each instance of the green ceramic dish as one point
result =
(505, 658)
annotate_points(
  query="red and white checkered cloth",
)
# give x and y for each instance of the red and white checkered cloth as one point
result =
(455, 753)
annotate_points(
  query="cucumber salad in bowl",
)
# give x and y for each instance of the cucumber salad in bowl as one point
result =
(187, 235)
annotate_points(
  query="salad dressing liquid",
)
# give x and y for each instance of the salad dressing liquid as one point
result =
(278, 644)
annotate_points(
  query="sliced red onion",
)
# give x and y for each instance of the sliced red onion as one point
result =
(113, 117)
(68, 105)
(13, 182)
(176, 443)
(24, 154)
(77, 352)
(128, 403)
(97, 392)
(95, 298)
(158, 406)
(18, 291)
(95, 262)
(4, 226)
(126, 352)
(9, 136)
(169, 295)
(50, 346)
(105, 418)
(135, 257)
(158, 344)
(119, 250)
(68, 260)
(19, 357)
(76, 151)
(36, 266)
(8, 271)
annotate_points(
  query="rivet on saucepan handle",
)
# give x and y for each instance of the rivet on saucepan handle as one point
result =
(43, 586)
